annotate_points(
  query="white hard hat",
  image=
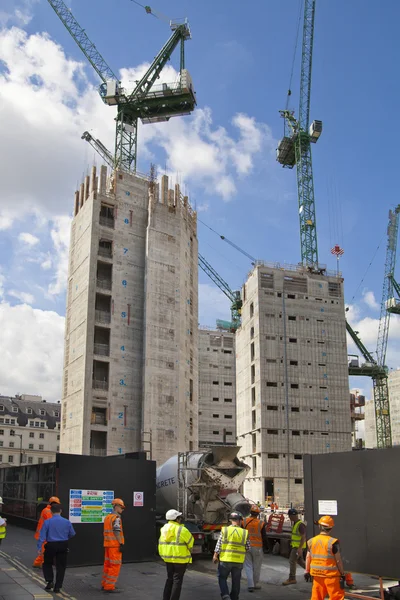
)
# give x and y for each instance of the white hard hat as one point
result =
(172, 515)
(1, 500)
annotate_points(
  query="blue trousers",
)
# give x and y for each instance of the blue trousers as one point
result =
(235, 570)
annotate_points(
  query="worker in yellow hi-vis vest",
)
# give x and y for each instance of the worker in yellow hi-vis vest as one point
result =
(3, 523)
(298, 543)
(230, 552)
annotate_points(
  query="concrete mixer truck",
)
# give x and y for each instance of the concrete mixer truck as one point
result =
(204, 486)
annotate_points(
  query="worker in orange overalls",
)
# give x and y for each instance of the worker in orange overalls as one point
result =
(113, 546)
(324, 563)
(254, 556)
(44, 515)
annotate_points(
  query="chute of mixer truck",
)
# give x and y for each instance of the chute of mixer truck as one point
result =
(204, 486)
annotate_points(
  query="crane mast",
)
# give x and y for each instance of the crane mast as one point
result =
(388, 306)
(148, 102)
(295, 146)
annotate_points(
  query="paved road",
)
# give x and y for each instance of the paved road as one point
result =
(139, 580)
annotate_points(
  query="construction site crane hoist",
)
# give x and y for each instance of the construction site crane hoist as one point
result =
(148, 102)
(295, 147)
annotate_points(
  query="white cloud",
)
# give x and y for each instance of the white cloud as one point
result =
(60, 234)
(369, 299)
(32, 351)
(2, 282)
(25, 297)
(28, 238)
(46, 264)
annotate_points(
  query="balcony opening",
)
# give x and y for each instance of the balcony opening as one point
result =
(103, 308)
(100, 375)
(253, 374)
(98, 443)
(107, 216)
(102, 341)
(105, 248)
(253, 419)
(252, 351)
(254, 442)
(104, 275)
(99, 416)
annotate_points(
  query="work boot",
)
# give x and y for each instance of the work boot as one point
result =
(350, 586)
(57, 590)
(250, 589)
(49, 585)
(289, 582)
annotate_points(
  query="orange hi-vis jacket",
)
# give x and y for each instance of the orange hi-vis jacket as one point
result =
(44, 515)
(254, 527)
(323, 562)
(110, 539)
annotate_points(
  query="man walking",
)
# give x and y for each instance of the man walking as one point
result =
(298, 543)
(44, 515)
(54, 535)
(254, 557)
(230, 552)
(113, 545)
(174, 548)
(324, 563)
(3, 524)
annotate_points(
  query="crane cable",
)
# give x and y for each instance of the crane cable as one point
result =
(251, 258)
(150, 11)
(368, 268)
(296, 45)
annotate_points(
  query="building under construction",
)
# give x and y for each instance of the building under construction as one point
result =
(292, 377)
(131, 351)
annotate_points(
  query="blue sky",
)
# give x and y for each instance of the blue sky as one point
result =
(240, 59)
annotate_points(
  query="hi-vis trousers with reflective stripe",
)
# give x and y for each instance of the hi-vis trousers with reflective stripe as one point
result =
(112, 567)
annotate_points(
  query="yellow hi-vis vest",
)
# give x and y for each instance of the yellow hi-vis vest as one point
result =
(233, 547)
(3, 530)
(175, 543)
(296, 537)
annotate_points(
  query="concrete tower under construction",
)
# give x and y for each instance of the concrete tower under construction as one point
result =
(291, 377)
(130, 378)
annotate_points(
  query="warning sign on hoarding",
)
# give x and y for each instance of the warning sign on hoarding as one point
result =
(138, 498)
(327, 507)
(89, 506)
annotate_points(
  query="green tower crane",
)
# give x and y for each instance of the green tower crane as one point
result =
(295, 147)
(146, 101)
(388, 305)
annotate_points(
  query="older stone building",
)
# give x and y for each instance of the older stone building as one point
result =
(29, 430)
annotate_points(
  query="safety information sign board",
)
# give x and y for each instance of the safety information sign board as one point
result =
(138, 498)
(327, 507)
(89, 506)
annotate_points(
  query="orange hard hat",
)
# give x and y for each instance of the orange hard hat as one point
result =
(54, 500)
(254, 509)
(326, 522)
(118, 502)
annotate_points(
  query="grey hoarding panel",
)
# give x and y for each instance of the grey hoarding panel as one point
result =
(123, 475)
(366, 485)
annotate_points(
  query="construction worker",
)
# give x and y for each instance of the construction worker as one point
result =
(113, 546)
(254, 557)
(324, 563)
(3, 524)
(44, 515)
(174, 548)
(54, 536)
(230, 552)
(298, 544)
